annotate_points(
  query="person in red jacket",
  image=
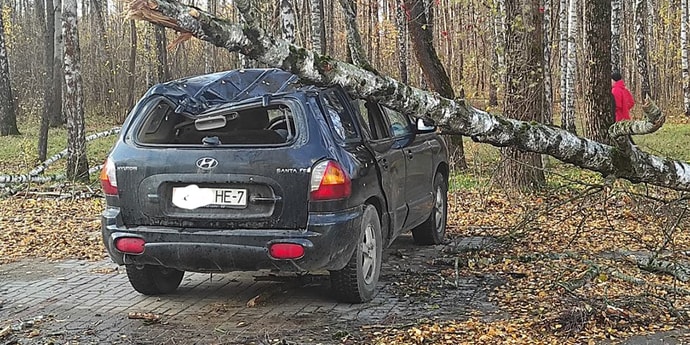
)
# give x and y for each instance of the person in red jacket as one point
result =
(622, 96)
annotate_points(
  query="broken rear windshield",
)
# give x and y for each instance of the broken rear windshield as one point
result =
(255, 125)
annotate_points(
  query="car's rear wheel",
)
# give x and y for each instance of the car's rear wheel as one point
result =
(154, 280)
(356, 282)
(433, 230)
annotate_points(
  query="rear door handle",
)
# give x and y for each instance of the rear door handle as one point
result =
(410, 155)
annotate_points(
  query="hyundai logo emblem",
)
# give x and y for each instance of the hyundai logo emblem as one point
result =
(207, 163)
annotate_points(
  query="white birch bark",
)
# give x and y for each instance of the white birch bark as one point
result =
(616, 35)
(563, 57)
(77, 164)
(58, 70)
(641, 46)
(498, 70)
(287, 20)
(548, 91)
(568, 117)
(684, 54)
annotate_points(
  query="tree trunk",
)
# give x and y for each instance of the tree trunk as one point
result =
(318, 31)
(8, 116)
(57, 117)
(454, 116)
(548, 91)
(132, 68)
(597, 100)
(162, 69)
(641, 15)
(209, 50)
(684, 47)
(354, 40)
(498, 52)
(616, 35)
(434, 73)
(103, 49)
(49, 92)
(288, 21)
(401, 40)
(568, 98)
(77, 164)
(524, 90)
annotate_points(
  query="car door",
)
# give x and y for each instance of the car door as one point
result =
(390, 161)
(419, 168)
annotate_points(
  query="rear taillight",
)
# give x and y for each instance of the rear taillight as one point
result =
(108, 179)
(329, 182)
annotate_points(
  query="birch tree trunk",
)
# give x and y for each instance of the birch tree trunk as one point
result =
(568, 115)
(684, 47)
(318, 31)
(77, 164)
(288, 21)
(498, 53)
(563, 58)
(548, 91)
(48, 95)
(8, 117)
(641, 15)
(616, 35)
(597, 100)
(103, 49)
(401, 40)
(524, 90)
(57, 114)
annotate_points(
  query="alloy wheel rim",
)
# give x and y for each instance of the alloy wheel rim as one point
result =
(369, 254)
(439, 208)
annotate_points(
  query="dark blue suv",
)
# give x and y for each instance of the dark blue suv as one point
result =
(251, 170)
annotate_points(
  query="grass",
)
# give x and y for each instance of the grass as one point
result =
(19, 154)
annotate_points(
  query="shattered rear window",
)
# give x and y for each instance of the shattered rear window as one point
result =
(254, 125)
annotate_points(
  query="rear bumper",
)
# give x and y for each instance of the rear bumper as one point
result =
(329, 241)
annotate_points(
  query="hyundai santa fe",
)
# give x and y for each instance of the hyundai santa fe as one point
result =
(253, 170)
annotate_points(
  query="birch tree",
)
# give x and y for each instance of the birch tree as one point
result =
(8, 117)
(401, 39)
(569, 65)
(548, 91)
(641, 46)
(498, 53)
(57, 117)
(684, 55)
(616, 35)
(288, 21)
(77, 164)
(318, 30)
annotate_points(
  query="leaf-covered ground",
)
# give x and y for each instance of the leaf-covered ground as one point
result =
(571, 257)
(572, 265)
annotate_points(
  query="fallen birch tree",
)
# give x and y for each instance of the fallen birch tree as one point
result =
(454, 116)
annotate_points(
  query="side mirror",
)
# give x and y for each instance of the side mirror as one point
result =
(426, 125)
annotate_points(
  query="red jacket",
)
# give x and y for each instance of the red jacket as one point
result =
(624, 100)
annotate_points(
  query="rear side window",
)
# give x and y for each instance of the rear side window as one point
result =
(339, 117)
(242, 126)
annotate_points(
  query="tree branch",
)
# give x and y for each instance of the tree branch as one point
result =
(654, 120)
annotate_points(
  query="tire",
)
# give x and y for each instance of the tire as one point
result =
(154, 280)
(356, 282)
(433, 230)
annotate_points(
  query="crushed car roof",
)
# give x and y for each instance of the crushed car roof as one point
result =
(196, 94)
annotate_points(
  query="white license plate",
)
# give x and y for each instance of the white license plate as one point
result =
(192, 197)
